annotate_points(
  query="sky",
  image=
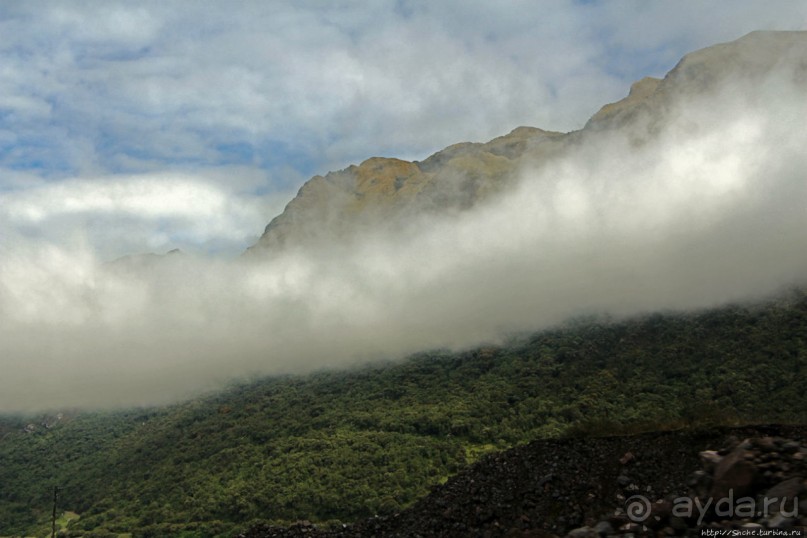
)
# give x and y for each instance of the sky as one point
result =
(129, 128)
(147, 126)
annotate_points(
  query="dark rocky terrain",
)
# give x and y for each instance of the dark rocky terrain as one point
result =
(587, 487)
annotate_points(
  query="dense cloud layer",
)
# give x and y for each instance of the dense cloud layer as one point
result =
(123, 214)
(709, 208)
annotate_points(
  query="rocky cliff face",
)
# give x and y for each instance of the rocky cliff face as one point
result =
(382, 191)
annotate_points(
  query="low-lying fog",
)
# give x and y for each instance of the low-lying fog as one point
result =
(710, 209)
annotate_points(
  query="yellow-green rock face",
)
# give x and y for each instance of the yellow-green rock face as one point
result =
(381, 190)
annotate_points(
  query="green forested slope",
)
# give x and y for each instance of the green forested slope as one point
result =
(344, 445)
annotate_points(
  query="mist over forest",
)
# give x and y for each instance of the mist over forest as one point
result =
(692, 204)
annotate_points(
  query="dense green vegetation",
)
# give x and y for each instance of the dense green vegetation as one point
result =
(343, 445)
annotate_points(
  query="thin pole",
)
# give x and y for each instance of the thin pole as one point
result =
(53, 521)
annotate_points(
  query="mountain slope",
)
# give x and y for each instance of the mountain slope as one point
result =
(386, 192)
(344, 445)
(347, 445)
(549, 487)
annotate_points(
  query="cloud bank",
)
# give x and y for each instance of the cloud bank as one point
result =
(127, 214)
(710, 208)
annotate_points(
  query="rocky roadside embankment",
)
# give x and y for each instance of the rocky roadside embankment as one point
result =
(754, 484)
(628, 485)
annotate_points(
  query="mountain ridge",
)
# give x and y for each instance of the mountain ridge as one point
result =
(462, 175)
(343, 445)
(456, 177)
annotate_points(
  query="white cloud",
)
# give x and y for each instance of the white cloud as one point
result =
(127, 128)
(331, 85)
(120, 215)
(708, 209)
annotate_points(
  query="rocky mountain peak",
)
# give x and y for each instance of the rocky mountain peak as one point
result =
(639, 92)
(381, 191)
